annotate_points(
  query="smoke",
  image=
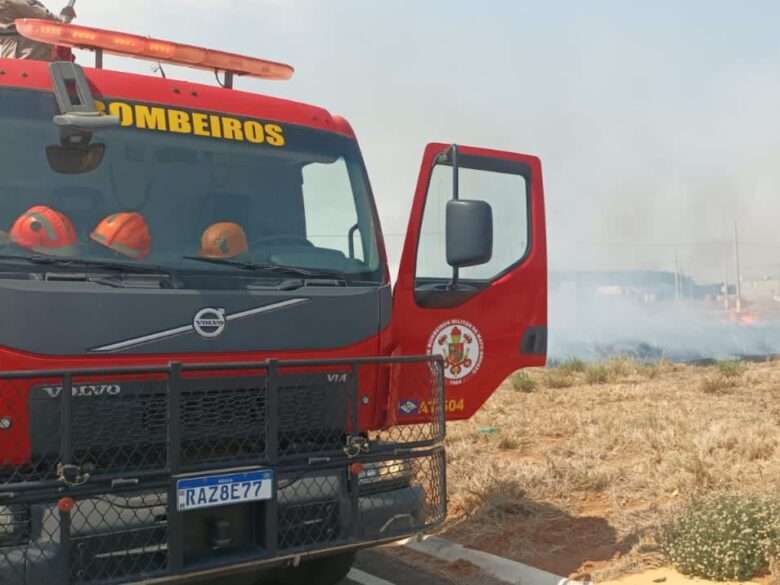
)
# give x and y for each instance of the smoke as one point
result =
(593, 326)
(670, 149)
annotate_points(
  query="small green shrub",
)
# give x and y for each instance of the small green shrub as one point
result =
(508, 443)
(731, 369)
(723, 538)
(650, 371)
(597, 374)
(522, 382)
(654, 370)
(558, 378)
(717, 384)
(620, 367)
(573, 366)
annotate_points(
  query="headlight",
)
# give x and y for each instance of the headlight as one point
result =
(14, 525)
(386, 475)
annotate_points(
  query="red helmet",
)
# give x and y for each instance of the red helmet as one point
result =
(125, 233)
(45, 230)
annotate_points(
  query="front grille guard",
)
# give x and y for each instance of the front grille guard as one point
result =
(101, 509)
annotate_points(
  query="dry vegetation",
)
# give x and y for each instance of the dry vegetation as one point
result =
(589, 460)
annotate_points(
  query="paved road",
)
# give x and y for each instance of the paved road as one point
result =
(381, 568)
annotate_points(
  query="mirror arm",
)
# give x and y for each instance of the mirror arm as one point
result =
(351, 236)
(455, 278)
(455, 197)
(86, 121)
(455, 173)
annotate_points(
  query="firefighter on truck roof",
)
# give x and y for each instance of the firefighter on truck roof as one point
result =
(13, 45)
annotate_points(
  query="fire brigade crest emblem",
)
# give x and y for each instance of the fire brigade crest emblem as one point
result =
(460, 344)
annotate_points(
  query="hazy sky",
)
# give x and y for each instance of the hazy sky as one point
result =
(657, 123)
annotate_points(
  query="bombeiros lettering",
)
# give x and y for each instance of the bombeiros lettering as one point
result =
(205, 124)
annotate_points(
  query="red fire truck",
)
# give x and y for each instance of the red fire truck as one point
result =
(205, 370)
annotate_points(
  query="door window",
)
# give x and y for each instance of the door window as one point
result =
(507, 194)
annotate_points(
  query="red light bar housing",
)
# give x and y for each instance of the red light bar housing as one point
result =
(159, 51)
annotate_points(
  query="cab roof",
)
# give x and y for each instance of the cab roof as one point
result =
(34, 75)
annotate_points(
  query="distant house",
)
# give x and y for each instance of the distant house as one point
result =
(647, 286)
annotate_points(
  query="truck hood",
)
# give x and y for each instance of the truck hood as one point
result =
(82, 318)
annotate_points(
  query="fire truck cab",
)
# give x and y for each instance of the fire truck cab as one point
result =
(205, 368)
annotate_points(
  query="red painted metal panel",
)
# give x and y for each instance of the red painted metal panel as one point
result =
(500, 314)
(27, 74)
(14, 395)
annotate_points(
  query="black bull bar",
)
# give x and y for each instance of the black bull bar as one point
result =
(95, 498)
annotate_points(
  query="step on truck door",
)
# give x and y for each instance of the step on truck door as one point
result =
(472, 282)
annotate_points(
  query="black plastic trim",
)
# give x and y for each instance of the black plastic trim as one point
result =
(534, 341)
(434, 293)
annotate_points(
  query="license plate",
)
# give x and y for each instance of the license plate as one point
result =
(223, 490)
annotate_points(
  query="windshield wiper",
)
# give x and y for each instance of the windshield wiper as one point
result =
(280, 268)
(43, 260)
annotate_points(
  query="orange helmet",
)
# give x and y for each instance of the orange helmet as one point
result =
(126, 233)
(223, 240)
(45, 230)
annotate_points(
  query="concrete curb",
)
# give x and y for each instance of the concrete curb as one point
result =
(364, 578)
(502, 569)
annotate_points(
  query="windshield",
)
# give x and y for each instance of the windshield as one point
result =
(184, 191)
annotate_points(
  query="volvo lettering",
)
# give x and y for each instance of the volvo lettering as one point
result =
(85, 390)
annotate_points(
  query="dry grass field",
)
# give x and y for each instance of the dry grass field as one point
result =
(572, 469)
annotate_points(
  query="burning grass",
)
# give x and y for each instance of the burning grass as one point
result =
(587, 465)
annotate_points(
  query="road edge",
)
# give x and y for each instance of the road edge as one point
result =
(505, 570)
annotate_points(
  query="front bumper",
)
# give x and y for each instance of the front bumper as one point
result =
(124, 536)
(115, 520)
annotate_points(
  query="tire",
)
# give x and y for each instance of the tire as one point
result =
(330, 570)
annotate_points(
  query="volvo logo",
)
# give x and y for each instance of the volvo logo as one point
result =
(210, 323)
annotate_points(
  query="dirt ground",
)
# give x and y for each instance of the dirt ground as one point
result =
(665, 576)
(574, 472)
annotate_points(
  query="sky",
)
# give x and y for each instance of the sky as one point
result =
(656, 122)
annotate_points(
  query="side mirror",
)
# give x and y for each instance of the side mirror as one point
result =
(469, 233)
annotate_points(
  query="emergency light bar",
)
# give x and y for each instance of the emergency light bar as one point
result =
(127, 45)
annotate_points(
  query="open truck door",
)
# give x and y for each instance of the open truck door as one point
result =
(472, 282)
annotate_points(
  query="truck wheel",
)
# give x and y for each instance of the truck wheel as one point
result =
(325, 571)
